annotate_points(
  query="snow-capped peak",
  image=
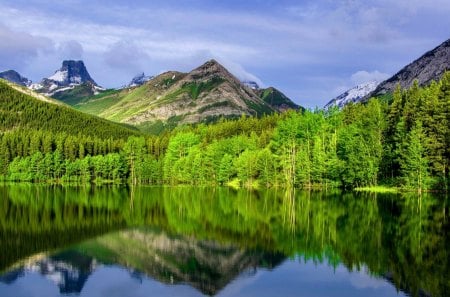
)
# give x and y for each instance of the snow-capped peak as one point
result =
(353, 95)
(71, 74)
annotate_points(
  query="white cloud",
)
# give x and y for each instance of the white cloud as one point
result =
(313, 40)
(71, 50)
(239, 71)
(126, 55)
(19, 48)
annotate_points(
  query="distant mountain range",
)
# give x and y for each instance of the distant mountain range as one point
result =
(429, 67)
(207, 93)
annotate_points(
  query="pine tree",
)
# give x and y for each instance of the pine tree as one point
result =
(414, 163)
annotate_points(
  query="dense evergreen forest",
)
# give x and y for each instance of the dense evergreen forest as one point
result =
(402, 142)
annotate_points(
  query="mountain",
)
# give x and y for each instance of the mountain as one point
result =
(21, 108)
(71, 76)
(139, 80)
(206, 93)
(353, 95)
(251, 84)
(15, 77)
(276, 99)
(429, 67)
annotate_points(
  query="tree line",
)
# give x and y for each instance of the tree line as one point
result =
(402, 142)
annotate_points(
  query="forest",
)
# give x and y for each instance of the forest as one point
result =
(402, 140)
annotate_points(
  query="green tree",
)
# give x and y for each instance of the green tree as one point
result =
(414, 163)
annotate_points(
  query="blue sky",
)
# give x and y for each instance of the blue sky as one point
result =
(310, 50)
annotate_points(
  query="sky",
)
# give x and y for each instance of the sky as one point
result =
(310, 50)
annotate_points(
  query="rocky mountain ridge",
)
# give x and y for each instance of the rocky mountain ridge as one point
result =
(15, 77)
(206, 93)
(353, 95)
(429, 67)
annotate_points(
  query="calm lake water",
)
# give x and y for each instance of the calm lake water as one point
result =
(149, 241)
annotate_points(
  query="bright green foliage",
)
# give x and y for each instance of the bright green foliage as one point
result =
(20, 111)
(226, 169)
(414, 163)
(175, 166)
(404, 144)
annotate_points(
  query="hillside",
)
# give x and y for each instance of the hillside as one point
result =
(207, 93)
(429, 67)
(22, 109)
(276, 99)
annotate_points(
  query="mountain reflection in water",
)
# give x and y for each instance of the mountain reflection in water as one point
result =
(212, 239)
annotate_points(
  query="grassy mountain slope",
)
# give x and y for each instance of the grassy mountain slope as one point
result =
(98, 103)
(23, 109)
(206, 93)
(276, 99)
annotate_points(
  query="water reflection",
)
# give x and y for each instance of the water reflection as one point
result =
(208, 238)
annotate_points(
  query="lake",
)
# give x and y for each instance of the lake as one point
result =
(183, 241)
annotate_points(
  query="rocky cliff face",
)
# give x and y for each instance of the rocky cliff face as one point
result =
(431, 66)
(68, 77)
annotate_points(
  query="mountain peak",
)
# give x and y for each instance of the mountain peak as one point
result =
(71, 72)
(212, 65)
(212, 70)
(15, 77)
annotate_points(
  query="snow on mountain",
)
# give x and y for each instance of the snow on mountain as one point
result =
(59, 76)
(353, 95)
(70, 75)
(139, 80)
